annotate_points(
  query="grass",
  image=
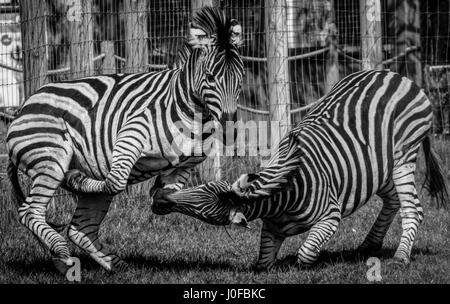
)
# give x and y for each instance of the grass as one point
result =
(179, 249)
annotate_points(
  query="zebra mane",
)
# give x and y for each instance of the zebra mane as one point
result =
(214, 23)
(287, 170)
(182, 55)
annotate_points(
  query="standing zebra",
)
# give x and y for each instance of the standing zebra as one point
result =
(97, 134)
(361, 139)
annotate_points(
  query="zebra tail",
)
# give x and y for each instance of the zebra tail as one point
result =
(13, 175)
(434, 179)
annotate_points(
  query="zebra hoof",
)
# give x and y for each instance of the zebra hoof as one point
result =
(368, 250)
(398, 263)
(72, 180)
(63, 265)
(119, 266)
(260, 268)
(287, 263)
(306, 266)
(109, 262)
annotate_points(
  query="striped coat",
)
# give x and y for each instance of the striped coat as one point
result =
(97, 134)
(359, 140)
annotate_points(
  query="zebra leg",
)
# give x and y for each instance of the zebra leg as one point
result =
(319, 234)
(125, 156)
(269, 247)
(175, 179)
(126, 152)
(83, 230)
(374, 239)
(411, 211)
(45, 180)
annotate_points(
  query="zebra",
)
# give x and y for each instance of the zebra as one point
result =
(359, 140)
(96, 135)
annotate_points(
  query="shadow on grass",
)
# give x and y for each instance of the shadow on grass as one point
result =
(21, 267)
(177, 263)
(44, 266)
(352, 256)
(18, 268)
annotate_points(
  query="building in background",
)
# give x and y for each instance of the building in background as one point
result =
(11, 88)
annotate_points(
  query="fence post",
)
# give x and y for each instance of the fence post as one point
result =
(406, 21)
(33, 28)
(109, 62)
(198, 4)
(277, 68)
(332, 70)
(371, 42)
(211, 167)
(136, 36)
(81, 22)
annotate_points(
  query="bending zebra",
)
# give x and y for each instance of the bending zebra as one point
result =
(97, 134)
(361, 139)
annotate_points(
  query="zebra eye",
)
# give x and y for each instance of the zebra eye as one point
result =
(210, 78)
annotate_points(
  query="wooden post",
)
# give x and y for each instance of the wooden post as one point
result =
(371, 42)
(211, 167)
(136, 36)
(278, 68)
(33, 27)
(81, 23)
(198, 4)
(332, 69)
(406, 22)
(414, 57)
(109, 62)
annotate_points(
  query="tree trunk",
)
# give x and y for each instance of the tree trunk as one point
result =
(33, 27)
(371, 41)
(278, 68)
(332, 70)
(407, 23)
(211, 167)
(109, 62)
(82, 38)
(136, 36)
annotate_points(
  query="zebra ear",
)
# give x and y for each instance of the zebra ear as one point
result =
(199, 38)
(235, 33)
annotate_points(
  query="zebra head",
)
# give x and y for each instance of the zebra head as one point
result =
(216, 67)
(222, 203)
(214, 203)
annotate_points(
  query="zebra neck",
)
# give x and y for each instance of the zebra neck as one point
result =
(278, 204)
(263, 208)
(187, 99)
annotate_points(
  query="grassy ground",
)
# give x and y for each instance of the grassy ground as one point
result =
(178, 249)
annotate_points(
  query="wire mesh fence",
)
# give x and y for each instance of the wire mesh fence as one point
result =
(324, 40)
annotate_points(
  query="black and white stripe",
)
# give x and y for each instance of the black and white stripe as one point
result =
(97, 134)
(361, 139)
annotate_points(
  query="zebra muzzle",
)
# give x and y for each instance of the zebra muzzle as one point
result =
(162, 203)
